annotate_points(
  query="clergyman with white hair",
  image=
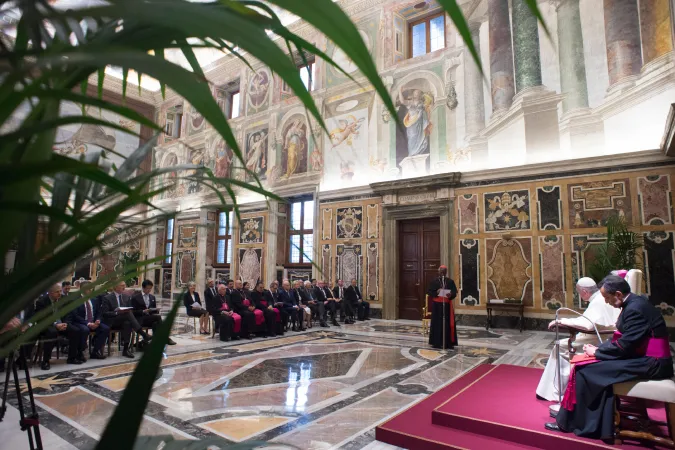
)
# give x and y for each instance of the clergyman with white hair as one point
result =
(598, 312)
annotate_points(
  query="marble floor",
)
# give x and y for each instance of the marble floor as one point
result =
(320, 389)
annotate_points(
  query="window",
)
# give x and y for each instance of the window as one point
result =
(233, 105)
(224, 239)
(174, 119)
(168, 239)
(301, 232)
(427, 35)
(305, 71)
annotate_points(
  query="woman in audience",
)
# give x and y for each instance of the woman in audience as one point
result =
(194, 307)
(246, 289)
(268, 311)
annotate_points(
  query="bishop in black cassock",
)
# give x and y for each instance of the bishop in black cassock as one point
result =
(442, 311)
(639, 350)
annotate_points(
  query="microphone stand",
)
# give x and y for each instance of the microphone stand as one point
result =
(553, 409)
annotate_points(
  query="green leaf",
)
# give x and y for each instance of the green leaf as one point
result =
(457, 17)
(123, 426)
(534, 7)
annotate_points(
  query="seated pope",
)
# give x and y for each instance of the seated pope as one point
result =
(639, 350)
(599, 313)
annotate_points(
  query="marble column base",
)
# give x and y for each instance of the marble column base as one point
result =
(582, 133)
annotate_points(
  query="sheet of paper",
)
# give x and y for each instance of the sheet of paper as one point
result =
(196, 305)
(125, 308)
(444, 292)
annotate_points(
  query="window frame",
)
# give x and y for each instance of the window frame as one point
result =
(310, 67)
(230, 108)
(167, 262)
(427, 20)
(227, 237)
(301, 232)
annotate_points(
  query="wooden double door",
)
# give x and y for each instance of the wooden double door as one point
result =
(419, 243)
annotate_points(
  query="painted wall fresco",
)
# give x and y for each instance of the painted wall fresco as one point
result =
(294, 147)
(256, 153)
(258, 94)
(123, 248)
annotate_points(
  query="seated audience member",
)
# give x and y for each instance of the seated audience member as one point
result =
(333, 304)
(639, 350)
(356, 301)
(145, 308)
(194, 307)
(269, 313)
(325, 298)
(245, 309)
(291, 306)
(346, 313)
(600, 313)
(117, 313)
(230, 286)
(246, 290)
(58, 328)
(87, 318)
(19, 324)
(316, 307)
(306, 316)
(66, 286)
(227, 321)
(272, 297)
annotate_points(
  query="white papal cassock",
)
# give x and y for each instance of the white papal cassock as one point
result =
(604, 316)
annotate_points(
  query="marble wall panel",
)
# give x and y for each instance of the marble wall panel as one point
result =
(187, 235)
(326, 223)
(326, 262)
(549, 208)
(507, 210)
(552, 272)
(468, 213)
(167, 274)
(159, 241)
(655, 200)
(210, 244)
(372, 270)
(250, 265)
(373, 217)
(592, 203)
(349, 222)
(659, 270)
(252, 230)
(186, 267)
(584, 248)
(509, 269)
(469, 273)
(349, 261)
(221, 275)
(299, 274)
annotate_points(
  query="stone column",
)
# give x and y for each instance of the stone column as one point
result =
(525, 46)
(571, 56)
(200, 273)
(474, 108)
(622, 36)
(271, 242)
(656, 29)
(501, 55)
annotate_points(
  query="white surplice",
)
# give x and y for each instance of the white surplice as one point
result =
(603, 316)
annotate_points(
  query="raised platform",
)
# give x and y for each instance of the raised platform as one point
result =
(489, 407)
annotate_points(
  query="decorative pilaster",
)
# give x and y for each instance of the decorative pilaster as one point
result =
(474, 108)
(501, 55)
(622, 36)
(657, 39)
(200, 272)
(526, 46)
(571, 56)
(271, 246)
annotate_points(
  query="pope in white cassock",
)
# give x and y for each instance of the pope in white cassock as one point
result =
(600, 313)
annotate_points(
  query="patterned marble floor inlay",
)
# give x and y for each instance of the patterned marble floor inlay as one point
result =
(318, 389)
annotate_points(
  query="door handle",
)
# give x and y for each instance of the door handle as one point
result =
(418, 283)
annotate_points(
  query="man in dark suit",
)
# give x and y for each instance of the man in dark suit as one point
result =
(211, 290)
(145, 308)
(291, 306)
(309, 298)
(354, 297)
(87, 318)
(117, 313)
(346, 313)
(58, 328)
(326, 295)
(246, 312)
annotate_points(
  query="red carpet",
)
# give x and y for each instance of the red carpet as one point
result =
(489, 407)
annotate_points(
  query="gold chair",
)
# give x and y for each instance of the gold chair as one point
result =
(426, 316)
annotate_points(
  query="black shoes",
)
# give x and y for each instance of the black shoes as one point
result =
(74, 361)
(335, 323)
(553, 426)
(96, 355)
(45, 365)
(128, 353)
(367, 318)
(172, 342)
(325, 325)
